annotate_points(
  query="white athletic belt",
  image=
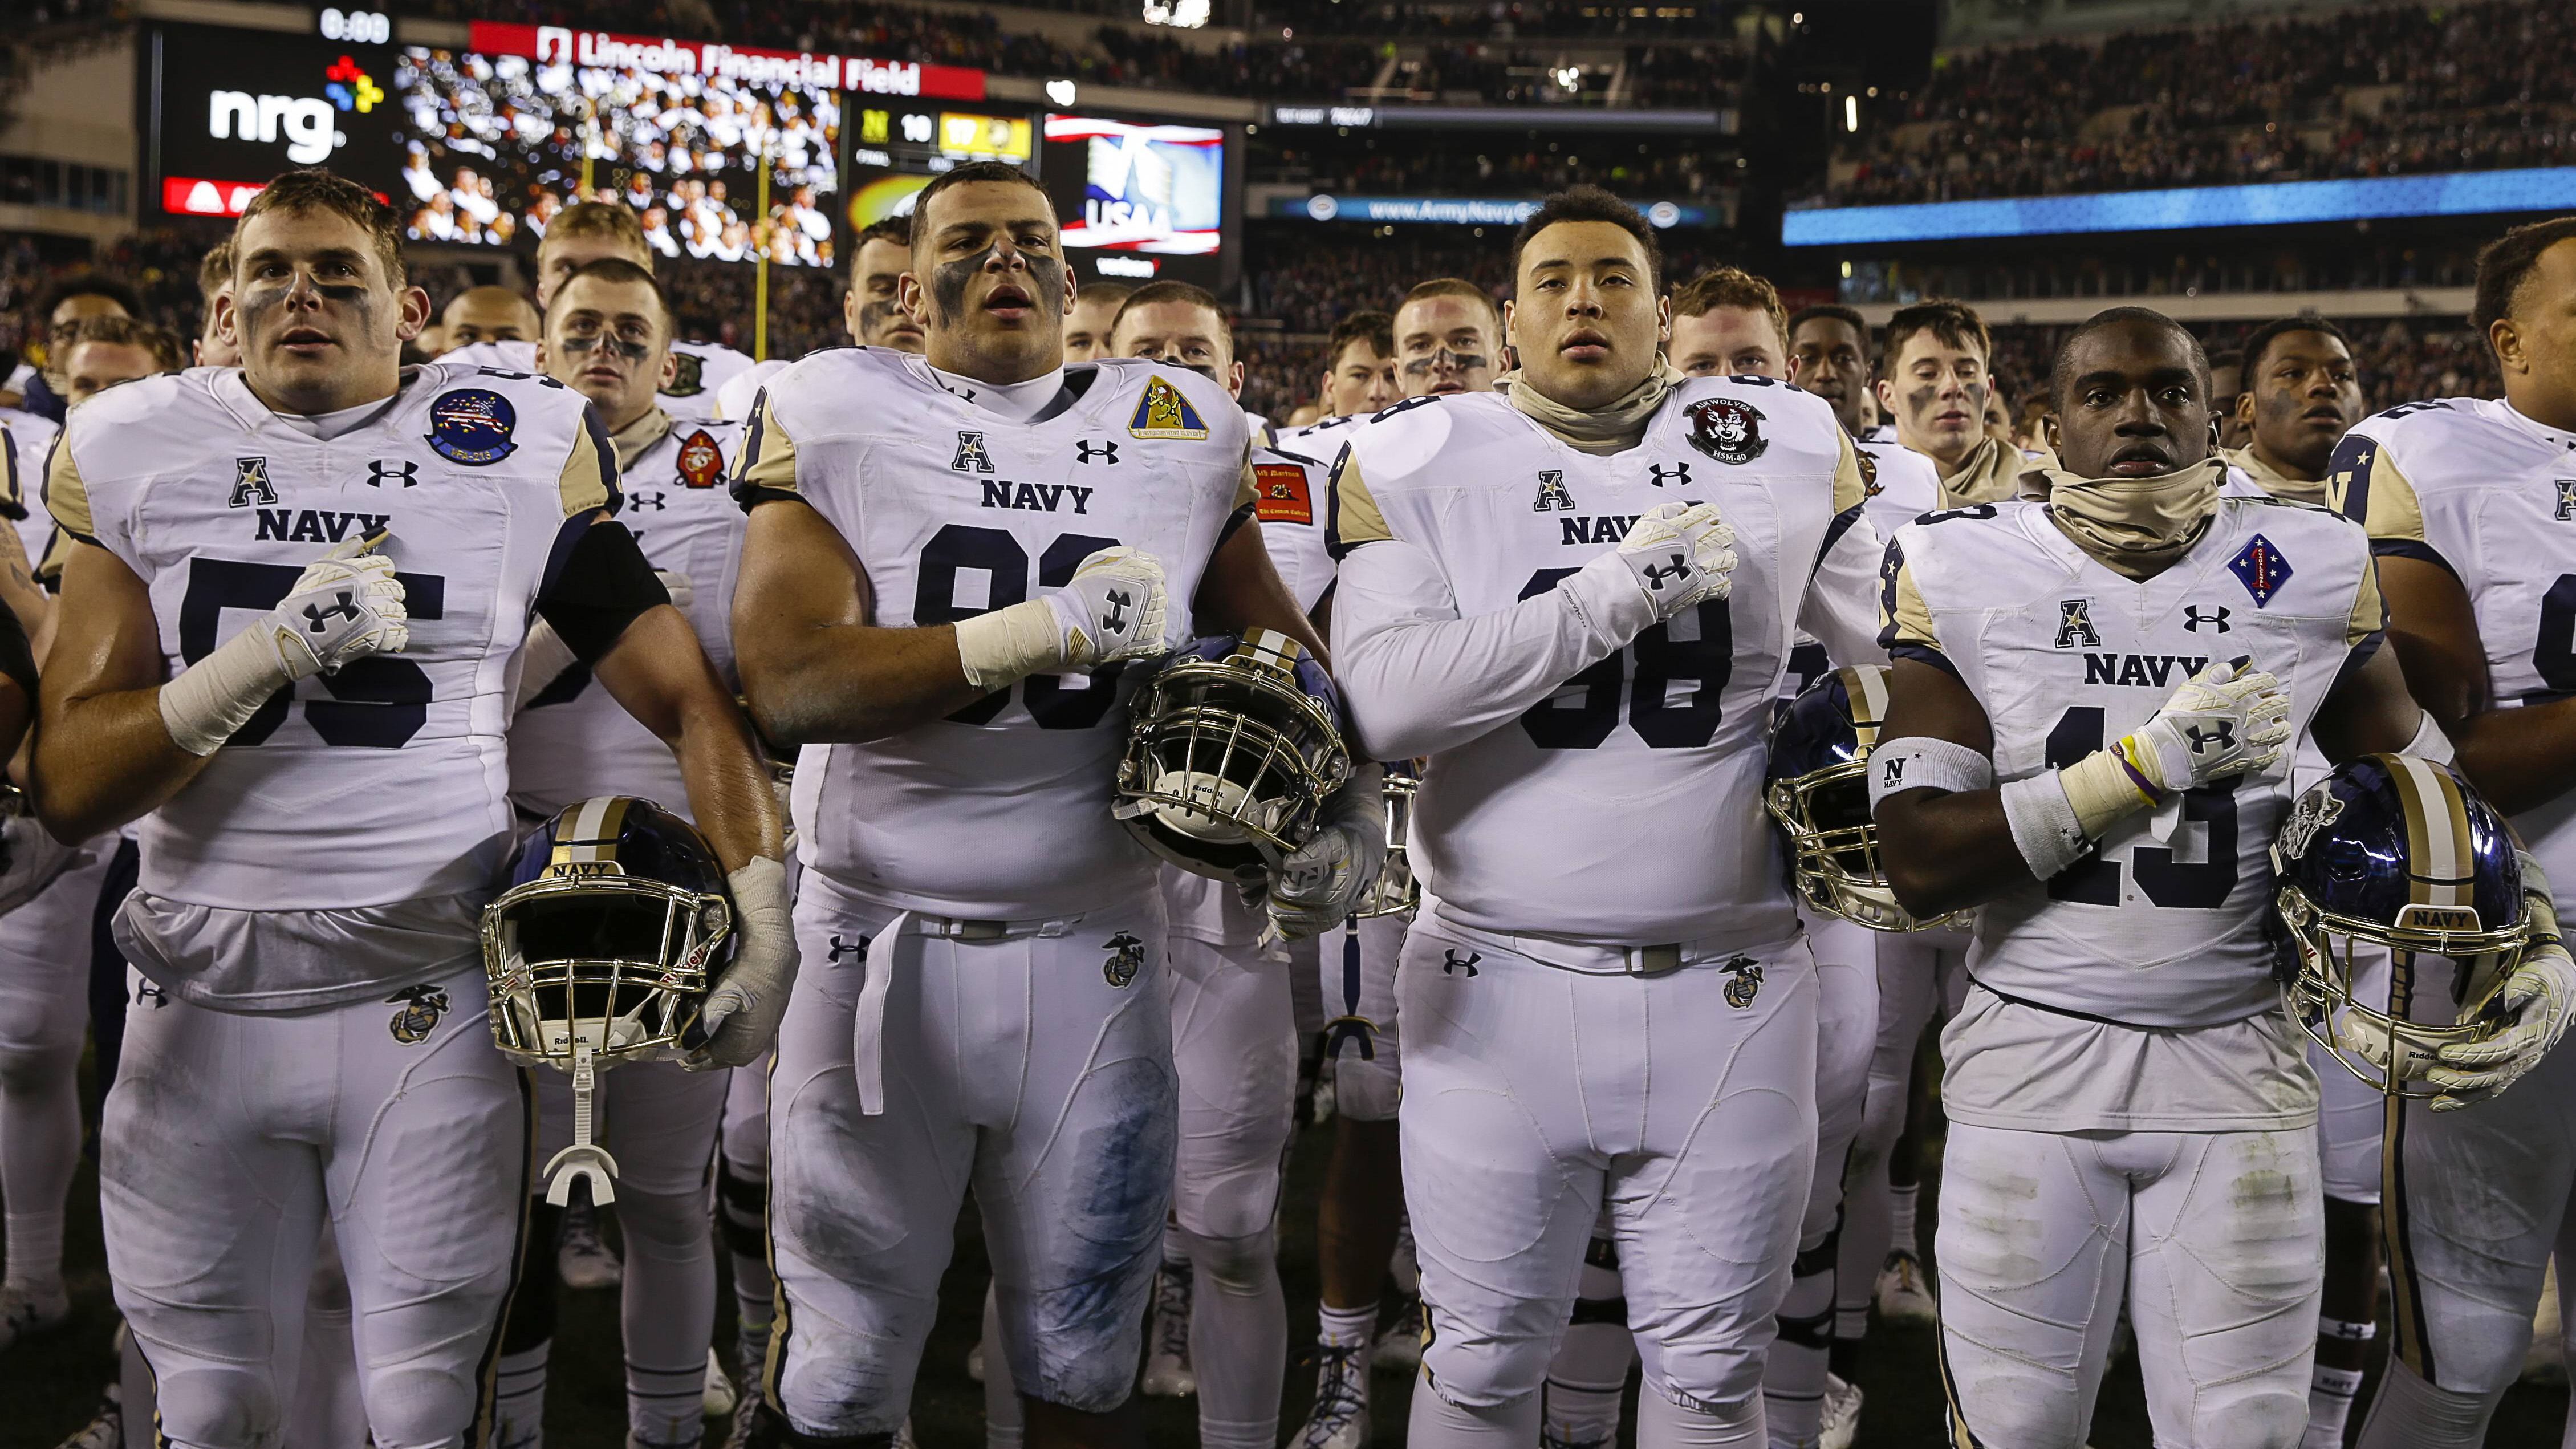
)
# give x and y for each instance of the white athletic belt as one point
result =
(869, 1049)
(1592, 960)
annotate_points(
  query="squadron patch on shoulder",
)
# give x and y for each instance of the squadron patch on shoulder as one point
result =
(418, 1009)
(688, 375)
(701, 461)
(1163, 413)
(472, 425)
(1727, 430)
(1280, 494)
(2261, 568)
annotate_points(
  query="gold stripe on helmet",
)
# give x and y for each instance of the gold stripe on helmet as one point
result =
(1867, 689)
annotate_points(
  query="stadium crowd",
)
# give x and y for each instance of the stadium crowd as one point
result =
(2364, 92)
(1467, 170)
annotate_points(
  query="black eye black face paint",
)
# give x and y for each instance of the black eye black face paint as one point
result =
(1455, 361)
(948, 283)
(615, 346)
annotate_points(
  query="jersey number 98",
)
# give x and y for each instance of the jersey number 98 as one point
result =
(1644, 673)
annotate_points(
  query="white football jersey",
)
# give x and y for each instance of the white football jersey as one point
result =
(2066, 657)
(572, 740)
(1289, 498)
(1903, 485)
(1001, 810)
(387, 781)
(1534, 826)
(2490, 495)
(740, 391)
(26, 441)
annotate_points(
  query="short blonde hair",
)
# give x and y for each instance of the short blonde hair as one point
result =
(599, 218)
(1731, 287)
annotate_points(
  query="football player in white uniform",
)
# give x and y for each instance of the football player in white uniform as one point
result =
(1934, 380)
(1577, 598)
(932, 589)
(1829, 355)
(322, 792)
(2132, 658)
(1448, 339)
(870, 314)
(1728, 323)
(1095, 311)
(607, 337)
(2469, 509)
(2304, 393)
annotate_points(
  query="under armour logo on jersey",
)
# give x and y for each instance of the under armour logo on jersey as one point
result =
(2220, 733)
(2566, 499)
(654, 501)
(320, 618)
(250, 481)
(154, 994)
(1119, 602)
(1085, 450)
(840, 948)
(971, 457)
(2193, 616)
(1678, 474)
(380, 472)
(1657, 575)
(1450, 965)
(2075, 624)
(1552, 494)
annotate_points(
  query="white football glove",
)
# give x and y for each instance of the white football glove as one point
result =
(2538, 998)
(2229, 719)
(1112, 609)
(742, 1013)
(1681, 554)
(346, 605)
(1317, 886)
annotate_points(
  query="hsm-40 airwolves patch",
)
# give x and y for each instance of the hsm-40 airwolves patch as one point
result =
(1163, 413)
(1126, 958)
(418, 1009)
(472, 425)
(1727, 430)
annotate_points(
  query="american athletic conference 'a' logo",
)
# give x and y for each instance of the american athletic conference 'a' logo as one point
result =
(1727, 430)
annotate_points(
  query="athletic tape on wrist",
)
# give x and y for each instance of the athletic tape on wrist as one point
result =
(2430, 743)
(1005, 646)
(218, 694)
(2044, 826)
(2103, 787)
(1922, 762)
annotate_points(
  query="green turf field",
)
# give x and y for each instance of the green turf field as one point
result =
(49, 1387)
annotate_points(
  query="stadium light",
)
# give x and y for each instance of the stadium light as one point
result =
(1851, 112)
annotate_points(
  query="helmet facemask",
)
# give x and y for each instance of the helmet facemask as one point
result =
(1230, 758)
(2386, 1050)
(611, 965)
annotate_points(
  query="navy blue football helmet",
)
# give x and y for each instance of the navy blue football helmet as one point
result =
(1817, 790)
(615, 920)
(2402, 853)
(1232, 748)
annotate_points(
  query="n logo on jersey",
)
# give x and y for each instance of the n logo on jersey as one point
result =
(701, 461)
(2566, 500)
(1727, 430)
(971, 457)
(1552, 494)
(1280, 495)
(472, 425)
(2075, 625)
(2260, 567)
(1163, 413)
(1678, 473)
(250, 483)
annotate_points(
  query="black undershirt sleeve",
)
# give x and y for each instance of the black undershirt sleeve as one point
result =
(602, 584)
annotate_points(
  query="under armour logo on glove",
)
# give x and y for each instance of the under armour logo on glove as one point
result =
(318, 619)
(1658, 575)
(1450, 965)
(1120, 601)
(2219, 733)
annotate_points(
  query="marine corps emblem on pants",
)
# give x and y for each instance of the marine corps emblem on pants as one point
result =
(1126, 958)
(1747, 983)
(420, 1009)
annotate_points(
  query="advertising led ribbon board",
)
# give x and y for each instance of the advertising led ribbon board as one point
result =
(224, 110)
(2280, 203)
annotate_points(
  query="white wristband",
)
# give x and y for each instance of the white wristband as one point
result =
(2043, 823)
(1005, 646)
(1922, 762)
(2430, 743)
(218, 694)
